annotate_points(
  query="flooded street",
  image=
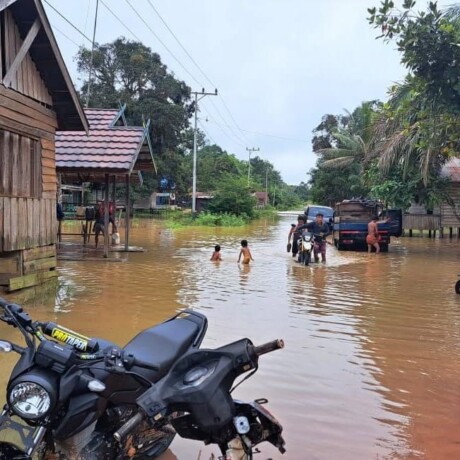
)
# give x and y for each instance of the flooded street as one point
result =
(371, 367)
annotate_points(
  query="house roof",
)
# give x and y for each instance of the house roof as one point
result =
(261, 195)
(47, 57)
(107, 148)
(104, 118)
(451, 170)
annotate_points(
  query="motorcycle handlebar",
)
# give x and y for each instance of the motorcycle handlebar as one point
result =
(129, 426)
(269, 347)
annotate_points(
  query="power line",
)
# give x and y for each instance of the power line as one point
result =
(195, 63)
(206, 132)
(180, 44)
(66, 36)
(273, 135)
(227, 125)
(162, 43)
(121, 22)
(234, 140)
(68, 21)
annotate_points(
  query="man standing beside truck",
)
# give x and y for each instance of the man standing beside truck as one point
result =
(372, 238)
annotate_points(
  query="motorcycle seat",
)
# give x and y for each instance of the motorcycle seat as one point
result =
(161, 346)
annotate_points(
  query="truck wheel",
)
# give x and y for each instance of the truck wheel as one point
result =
(338, 245)
(457, 287)
(384, 247)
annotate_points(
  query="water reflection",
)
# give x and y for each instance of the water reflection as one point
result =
(372, 342)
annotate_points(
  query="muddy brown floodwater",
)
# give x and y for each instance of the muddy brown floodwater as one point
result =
(371, 368)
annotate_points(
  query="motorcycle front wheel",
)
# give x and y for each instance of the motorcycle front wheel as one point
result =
(306, 258)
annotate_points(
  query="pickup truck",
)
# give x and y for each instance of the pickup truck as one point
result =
(313, 209)
(350, 224)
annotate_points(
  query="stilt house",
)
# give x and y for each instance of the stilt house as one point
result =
(37, 97)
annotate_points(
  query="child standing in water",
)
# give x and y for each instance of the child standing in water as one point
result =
(216, 257)
(245, 252)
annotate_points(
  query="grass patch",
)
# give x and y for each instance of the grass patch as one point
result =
(206, 219)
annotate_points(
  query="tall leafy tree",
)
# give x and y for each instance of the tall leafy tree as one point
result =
(130, 72)
(420, 124)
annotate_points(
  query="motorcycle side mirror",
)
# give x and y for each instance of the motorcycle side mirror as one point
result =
(5, 347)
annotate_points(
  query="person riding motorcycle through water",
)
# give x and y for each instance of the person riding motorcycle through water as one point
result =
(296, 234)
(320, 230)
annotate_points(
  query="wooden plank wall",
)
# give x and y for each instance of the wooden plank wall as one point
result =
(28, 80)
(421, 222)
(27, 223)
(448, 214)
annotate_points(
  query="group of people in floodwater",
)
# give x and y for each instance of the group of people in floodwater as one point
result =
(245, 253)
(319, 228)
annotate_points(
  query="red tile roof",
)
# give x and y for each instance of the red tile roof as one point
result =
(105, 148)
(100, 118)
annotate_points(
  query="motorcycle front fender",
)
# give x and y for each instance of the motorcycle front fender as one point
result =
(18, 441)
(11, 452)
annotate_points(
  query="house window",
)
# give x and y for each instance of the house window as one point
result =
(20, 166)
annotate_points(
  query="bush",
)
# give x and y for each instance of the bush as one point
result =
(207, 219)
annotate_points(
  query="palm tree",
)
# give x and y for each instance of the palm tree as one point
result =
(353, 144)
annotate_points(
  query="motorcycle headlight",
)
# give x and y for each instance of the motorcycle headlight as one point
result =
(31, 397)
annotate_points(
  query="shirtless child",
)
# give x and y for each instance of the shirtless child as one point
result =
(245, 252)
(216, 256)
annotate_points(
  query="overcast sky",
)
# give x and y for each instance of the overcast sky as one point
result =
(279, 65)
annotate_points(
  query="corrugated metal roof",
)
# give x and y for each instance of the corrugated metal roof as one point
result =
(105, 148)
(451, 170)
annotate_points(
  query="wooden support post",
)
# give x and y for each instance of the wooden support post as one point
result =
(106, 217)
(410, 232)
(114, 201)
(127, 211)
(441, 232)
(450, 232)
(429, 233)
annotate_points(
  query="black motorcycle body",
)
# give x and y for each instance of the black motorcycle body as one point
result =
(82, 421)
(89, 399)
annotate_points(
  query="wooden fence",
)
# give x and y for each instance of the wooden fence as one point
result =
(422, 222)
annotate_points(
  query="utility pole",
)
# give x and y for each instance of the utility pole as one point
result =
(202, 94)
(88, 92)
(266, 186)
(249, 161)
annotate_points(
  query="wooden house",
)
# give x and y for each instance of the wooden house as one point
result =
(37, 97)
(450, 210)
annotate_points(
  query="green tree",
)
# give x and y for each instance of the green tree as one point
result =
(233, 197)
(420, 126)
(129, 72)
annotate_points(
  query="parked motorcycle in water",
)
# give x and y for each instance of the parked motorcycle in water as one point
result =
(76, 397)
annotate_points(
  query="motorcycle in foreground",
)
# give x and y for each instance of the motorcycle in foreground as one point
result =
(72, 397)
(305, 244)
